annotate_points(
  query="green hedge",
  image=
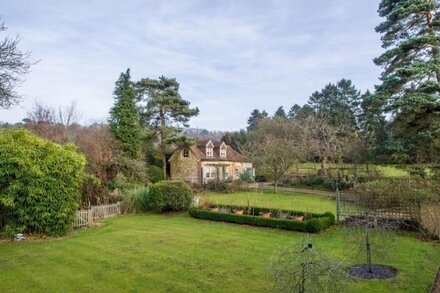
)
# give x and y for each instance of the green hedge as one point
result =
(39, 184)
(169, 196)
(313, 222)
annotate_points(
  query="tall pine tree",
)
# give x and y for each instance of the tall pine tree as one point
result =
(124, 118)
(410, 87)
(165, 110)
(280, 113)
(255, 116)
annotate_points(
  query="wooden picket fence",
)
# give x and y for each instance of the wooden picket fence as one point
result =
(86, 218)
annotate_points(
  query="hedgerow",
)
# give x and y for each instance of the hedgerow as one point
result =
(313, 222)
(39, 184)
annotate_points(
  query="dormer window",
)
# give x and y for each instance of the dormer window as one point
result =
(185, 153)
(209, 149)
(223, 149)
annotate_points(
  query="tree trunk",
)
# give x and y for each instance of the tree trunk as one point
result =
(164, 166)
(275, 186)
(368, 248)
(162, 143)
(435, 50)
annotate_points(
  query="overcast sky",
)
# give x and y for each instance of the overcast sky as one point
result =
(230, 57)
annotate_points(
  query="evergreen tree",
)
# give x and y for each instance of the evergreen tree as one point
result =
(294, 111)
(165, 110)
(235, 139)
(280, 113)
(255, 116)
(338, 102)
(300, 113)
(124, 118)
(410, 87)
(371, 120)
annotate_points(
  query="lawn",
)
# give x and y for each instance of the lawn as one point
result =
(176, 253)
(388, 171)
(290, 201)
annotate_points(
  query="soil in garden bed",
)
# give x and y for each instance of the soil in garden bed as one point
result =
(379, 272)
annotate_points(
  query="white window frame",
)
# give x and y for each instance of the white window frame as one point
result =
(185, 151)
(209, 152)
(223, 153)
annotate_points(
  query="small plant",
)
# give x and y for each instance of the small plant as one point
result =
(301, 268)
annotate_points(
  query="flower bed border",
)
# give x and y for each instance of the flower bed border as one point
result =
(313, 222)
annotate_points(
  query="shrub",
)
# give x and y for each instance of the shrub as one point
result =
(169, 196)
(155, 173)
(131, 173)
(313, 223)
(222, 187)
(39, 184)
(247, 177)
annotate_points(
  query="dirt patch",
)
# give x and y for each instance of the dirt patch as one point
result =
(379, 272)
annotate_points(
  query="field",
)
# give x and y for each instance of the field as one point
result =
(388, 171)
(176, 253)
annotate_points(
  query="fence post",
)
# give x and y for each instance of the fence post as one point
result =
(90, 217)
(338, 205)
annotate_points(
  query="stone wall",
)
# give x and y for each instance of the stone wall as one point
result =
(186, 169)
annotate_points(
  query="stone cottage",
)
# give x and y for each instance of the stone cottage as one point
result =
(208, 161)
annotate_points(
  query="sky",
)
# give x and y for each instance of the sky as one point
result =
(230, 57)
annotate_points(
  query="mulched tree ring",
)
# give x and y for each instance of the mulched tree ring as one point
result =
(379, 272)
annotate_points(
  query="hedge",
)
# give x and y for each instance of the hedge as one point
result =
(313, 222)
(169, 196)
(39, 184)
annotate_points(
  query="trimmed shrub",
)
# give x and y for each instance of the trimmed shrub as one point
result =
(40, 184)
(313, 223)
(169, 196)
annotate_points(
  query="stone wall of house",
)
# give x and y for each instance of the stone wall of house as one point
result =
(186, 169)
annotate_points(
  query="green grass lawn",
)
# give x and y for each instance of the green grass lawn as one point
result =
(291, 201)
(176, 253)
(389, 171)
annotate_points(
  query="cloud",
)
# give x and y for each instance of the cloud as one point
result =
(229, 57)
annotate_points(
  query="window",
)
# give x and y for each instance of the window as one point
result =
(185, 153)
(209, 152)
(223, 153)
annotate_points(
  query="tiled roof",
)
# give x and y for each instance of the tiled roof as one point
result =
(200, 150)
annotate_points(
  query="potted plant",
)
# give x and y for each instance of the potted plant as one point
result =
(265, 214)
(298, 218)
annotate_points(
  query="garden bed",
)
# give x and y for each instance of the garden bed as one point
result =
(263, 217)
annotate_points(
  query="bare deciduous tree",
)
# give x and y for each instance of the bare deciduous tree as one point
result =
(44, 121)
(68, 116)
(274, 145)
(322, 139)
(13, 65)
(301, 268)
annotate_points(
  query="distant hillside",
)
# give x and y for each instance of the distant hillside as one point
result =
(201, 134)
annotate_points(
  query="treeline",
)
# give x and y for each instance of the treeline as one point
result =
(398, 122)
(131, 148)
